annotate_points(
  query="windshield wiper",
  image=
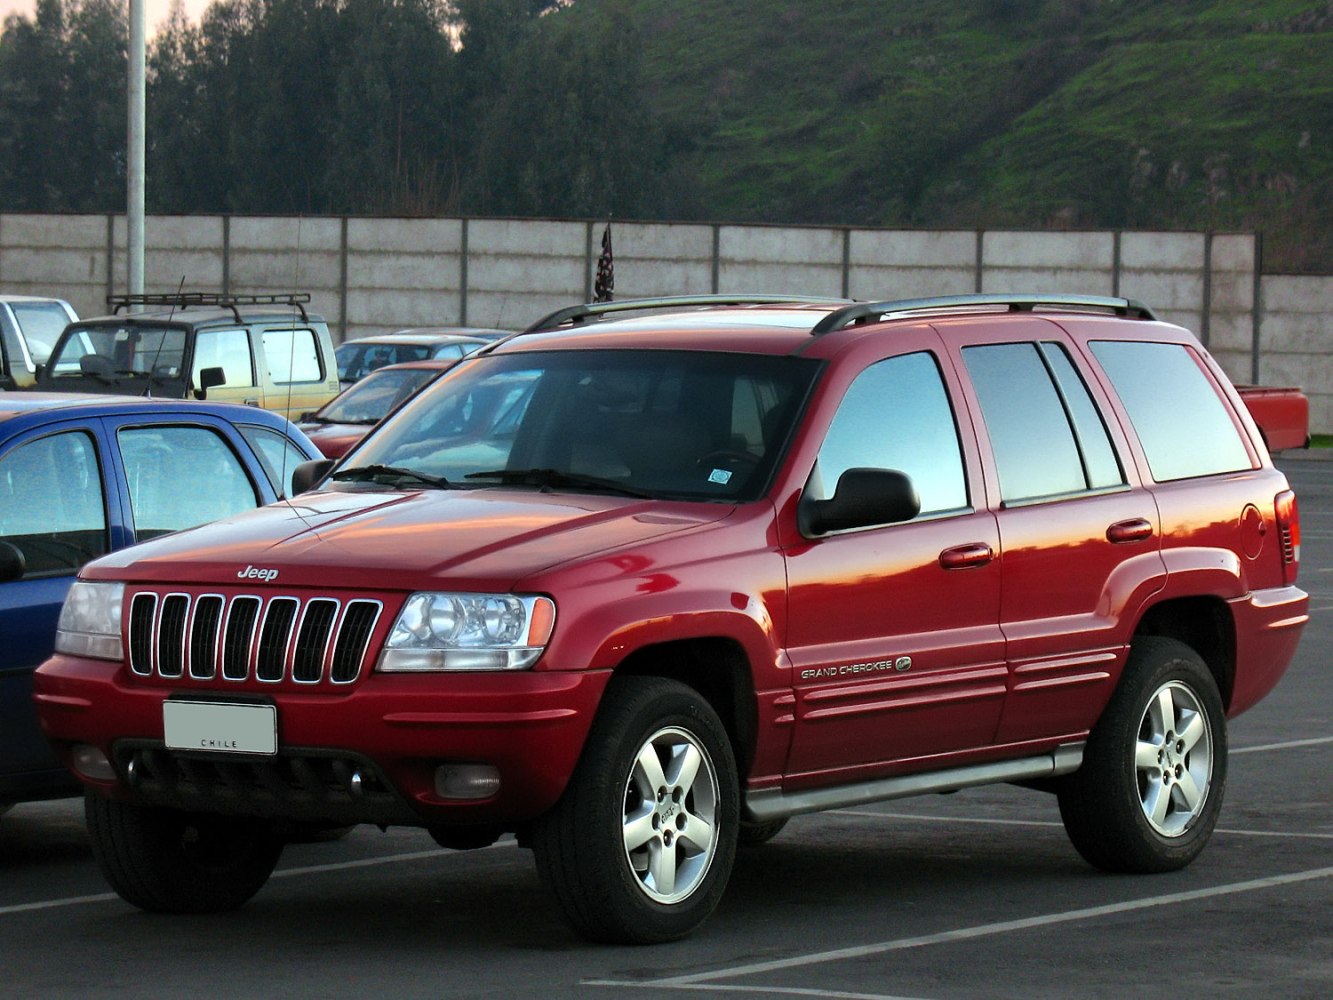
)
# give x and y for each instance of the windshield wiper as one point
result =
(555, 477)
(366, 473)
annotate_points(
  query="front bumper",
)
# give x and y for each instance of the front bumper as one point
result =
(391, 731)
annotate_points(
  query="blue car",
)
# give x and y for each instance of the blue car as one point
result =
(84, 475)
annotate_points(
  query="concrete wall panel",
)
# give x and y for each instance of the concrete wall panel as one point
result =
(656, 260)
(1162, 251)
(1045, 251)
(766, 260)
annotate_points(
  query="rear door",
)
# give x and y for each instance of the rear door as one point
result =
(1080, 545)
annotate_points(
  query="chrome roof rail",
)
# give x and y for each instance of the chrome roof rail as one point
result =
(871, 311)
(577, 315)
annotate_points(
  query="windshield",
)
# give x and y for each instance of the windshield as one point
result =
(117, 350)
(375, 395)
(671, 424)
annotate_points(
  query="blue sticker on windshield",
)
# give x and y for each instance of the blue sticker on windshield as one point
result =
(719, 476)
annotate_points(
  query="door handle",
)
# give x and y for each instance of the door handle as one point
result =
(967, 556)
(1136, 529)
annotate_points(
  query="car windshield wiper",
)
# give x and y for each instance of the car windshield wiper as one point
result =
(367, 473)
(555, 477)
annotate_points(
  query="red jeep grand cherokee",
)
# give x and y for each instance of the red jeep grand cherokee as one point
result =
(639, 588)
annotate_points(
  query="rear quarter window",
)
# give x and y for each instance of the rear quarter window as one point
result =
(292, 356)
(1182, 423)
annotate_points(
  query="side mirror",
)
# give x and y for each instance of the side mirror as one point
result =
(208, 378)
(864, 497)
(307, 474)
(12, 563)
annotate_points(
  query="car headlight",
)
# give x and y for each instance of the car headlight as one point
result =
(443, 631)
(90, 620)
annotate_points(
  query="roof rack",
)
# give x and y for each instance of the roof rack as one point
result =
(576, 315)
(184, 300)
(869, 311)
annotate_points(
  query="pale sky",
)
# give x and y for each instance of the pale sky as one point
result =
(155, 11)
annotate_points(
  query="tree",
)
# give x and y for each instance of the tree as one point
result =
(62, 107)
(570, 131)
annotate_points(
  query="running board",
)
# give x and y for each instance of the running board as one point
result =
(772, 803)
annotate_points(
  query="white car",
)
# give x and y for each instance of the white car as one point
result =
(30, 325)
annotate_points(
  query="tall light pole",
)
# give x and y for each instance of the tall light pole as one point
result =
(135, 153)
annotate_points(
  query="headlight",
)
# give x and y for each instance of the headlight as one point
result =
(438, 631)
(90, 621)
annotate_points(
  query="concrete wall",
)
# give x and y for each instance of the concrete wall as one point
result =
(1296, 340)
(371, 275)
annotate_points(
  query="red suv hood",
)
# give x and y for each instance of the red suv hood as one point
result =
(471, 539)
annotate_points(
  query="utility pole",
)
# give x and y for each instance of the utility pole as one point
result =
(134, 210)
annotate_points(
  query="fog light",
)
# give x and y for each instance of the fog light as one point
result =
(92, 763)
(466, 781)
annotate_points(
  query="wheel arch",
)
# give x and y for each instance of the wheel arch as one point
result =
(717, 668)
(1206, 625)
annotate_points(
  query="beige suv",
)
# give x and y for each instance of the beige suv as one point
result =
(262, 350)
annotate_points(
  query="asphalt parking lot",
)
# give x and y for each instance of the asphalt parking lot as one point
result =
(977, 894)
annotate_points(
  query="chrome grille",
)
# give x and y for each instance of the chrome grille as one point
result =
(271, 640)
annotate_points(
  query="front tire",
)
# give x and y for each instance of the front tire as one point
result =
(639, 848)
(1147, 796)
(168, 861)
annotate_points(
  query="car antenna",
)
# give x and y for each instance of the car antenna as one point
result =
(162, 341)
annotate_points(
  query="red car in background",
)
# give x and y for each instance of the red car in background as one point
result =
(348, 417)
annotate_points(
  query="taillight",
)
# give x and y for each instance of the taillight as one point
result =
(1289, 533)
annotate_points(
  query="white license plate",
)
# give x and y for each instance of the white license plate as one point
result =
(220, 727)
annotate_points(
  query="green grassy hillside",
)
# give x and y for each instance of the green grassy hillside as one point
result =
(1033, 113)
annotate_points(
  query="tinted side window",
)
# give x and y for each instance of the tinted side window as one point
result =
(51, 502)
(1032, 400)
(292, 356)
(1182, 423)
(180, 477)
(896, 415)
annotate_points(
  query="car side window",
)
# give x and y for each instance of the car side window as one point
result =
(896, 415)
(228, 350)
(292, 356)
(51, 505)
(181, 476)
(448, 351)
(1029, 419)
(277, 454)
(1181, 421)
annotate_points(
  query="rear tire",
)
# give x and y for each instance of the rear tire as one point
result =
(639, 848)
(754, 834)
(1149, 791)
(167, 861)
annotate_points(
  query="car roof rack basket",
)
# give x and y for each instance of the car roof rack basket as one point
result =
(186, 300)
(871, 312)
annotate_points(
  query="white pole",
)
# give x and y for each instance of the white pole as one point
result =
(134, 211)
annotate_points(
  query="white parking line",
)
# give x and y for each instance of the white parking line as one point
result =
(388, 859)
(785, 991)
(1039, 822)
(970, 933)
(1316, 741)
